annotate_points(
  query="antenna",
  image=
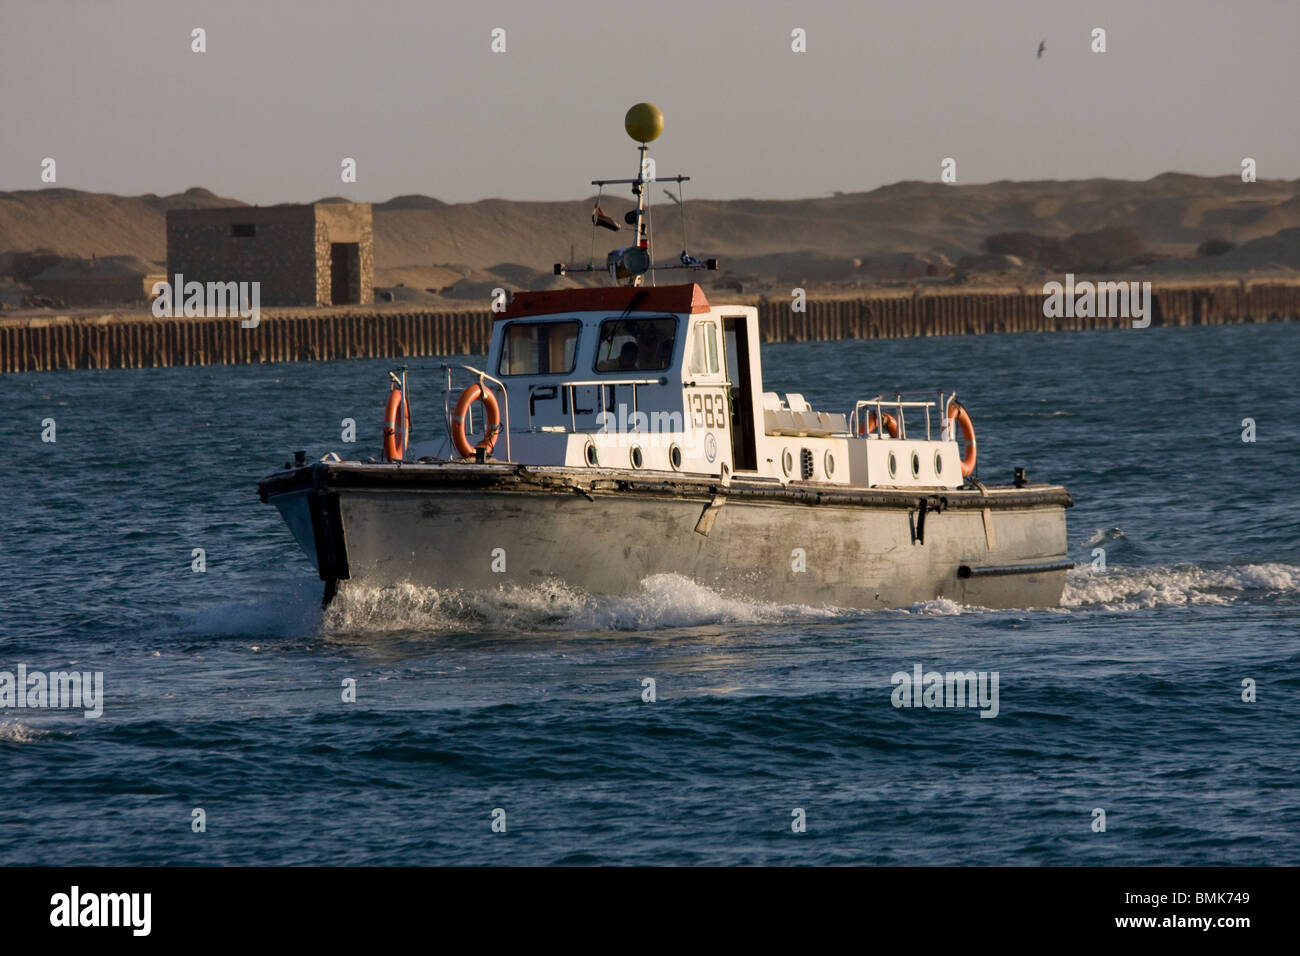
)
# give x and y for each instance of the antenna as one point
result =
(644, 123)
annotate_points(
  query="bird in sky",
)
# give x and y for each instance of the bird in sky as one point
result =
(1042, 45)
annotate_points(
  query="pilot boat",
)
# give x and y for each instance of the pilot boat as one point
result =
(618, 432)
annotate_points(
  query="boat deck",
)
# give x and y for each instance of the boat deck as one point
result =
(506, 476)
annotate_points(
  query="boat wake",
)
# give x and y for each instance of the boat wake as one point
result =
(1127, 589)
(673, 601)
(664, 601)
(937, 607)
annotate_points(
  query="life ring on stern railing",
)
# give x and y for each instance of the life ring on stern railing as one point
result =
(958, 413)
(473, 393)
(868, 426)
(395, 449)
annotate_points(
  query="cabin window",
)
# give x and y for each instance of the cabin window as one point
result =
(538, 348)
(636, 345)
(704, 349)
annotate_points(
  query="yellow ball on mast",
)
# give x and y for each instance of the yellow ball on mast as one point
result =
(644, 122)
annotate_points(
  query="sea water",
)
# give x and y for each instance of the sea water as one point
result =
(1153, 719)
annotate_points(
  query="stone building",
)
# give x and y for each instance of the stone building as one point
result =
(322, 254)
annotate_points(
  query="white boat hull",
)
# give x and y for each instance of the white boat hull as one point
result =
(467, 526)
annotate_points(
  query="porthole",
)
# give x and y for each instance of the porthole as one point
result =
(637, 459)
(938, 463)
(916, 465)
(675, 457)
(829, 464)
(893, 466)
(593, 459)
(787, 462)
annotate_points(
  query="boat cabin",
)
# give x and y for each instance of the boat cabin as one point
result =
(640, 377)
(657, 380)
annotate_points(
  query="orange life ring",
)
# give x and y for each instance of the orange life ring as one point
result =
(473, 393)
(395, 450)
(869, 426)
(957, 412)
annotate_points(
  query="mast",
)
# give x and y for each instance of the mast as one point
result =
(643, 122)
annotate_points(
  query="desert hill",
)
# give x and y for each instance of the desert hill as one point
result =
(423, 243)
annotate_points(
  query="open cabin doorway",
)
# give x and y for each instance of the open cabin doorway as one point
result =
(744, 452)
(345, 273)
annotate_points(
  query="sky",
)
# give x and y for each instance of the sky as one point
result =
(113, 92)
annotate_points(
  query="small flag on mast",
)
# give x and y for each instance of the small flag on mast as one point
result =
(599, 218)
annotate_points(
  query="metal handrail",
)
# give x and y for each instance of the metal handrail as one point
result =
(591, 383)
(879, 403)
(469, 424)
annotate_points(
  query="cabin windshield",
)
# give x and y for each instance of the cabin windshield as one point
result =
(538, 348)
(636, 345)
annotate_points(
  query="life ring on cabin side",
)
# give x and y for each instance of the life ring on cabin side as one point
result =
(395, 450)
(957, 412)
(868, 427)
(473, 393)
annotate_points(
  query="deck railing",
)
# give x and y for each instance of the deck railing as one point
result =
(483, 380)
(896, 407)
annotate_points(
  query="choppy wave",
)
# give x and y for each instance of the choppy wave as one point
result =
(1102, 536)
(663, 601)
(1182, 585)
(11, 731)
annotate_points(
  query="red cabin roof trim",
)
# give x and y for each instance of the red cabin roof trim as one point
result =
(663, 298)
